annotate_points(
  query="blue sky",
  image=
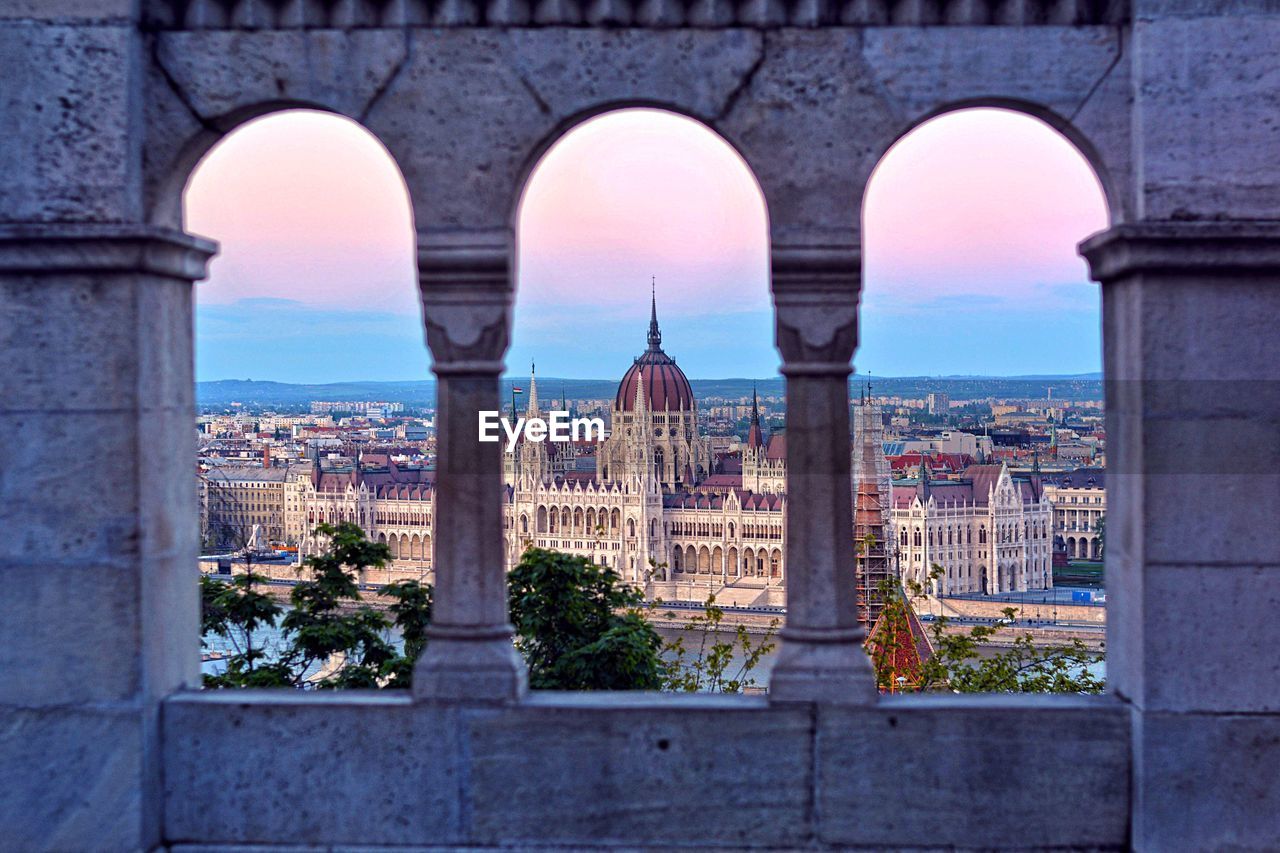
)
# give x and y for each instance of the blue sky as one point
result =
(289, 341)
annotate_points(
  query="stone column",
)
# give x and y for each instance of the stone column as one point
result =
(466, 306)
(1192, 361)
(99, 612)
(815, 294)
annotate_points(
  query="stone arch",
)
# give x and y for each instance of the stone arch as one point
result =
(404, 546)
(704, 560)
(601, 111)
(676, 559)
(415, 547)
(542, 519)
(1111, 181)
(177, 157)
(775, 563)
(690, 559)
(579, 521)
(732, 566)
(717, 560)
(554, 520)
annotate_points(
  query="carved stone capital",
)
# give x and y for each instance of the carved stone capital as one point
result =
(58, 248)
(815, 294)
(1243, 248)
(466, 289)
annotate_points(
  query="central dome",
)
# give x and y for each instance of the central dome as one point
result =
(666, 388)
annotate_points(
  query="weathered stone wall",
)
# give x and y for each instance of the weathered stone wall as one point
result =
(109, 105)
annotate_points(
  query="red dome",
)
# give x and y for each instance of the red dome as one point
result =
(666, 388)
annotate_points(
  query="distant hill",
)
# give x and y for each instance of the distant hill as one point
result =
(223, 392)
(417, 393)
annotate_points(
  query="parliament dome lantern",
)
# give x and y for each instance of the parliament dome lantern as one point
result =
(666, 388)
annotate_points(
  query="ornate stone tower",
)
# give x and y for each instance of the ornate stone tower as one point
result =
(655, 404)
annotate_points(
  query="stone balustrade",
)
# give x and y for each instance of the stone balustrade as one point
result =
(352, 14)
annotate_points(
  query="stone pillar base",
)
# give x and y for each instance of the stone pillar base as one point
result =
(460, 666)
(831, 671)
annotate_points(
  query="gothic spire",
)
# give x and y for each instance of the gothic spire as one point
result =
(655, 336)
(533, 390)
(639, 402)
(755, 435)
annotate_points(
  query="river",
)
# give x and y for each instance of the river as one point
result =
(272, 639)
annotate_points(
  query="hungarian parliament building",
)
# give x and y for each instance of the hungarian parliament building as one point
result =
(659, 508)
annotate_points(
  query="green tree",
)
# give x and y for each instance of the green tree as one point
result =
(329, 638)
(237, 611)
(579, 626)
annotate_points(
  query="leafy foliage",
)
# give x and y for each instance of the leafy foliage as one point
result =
(579, 627)
(707, 670)
(329, 638)
(1023, 668)
(237, 611)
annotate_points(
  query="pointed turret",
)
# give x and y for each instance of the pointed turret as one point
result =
(755, 435)
(533, 390)
(639, 401)
(655, 336)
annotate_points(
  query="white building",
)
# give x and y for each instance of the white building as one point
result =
(988, 531)
(1079, 501)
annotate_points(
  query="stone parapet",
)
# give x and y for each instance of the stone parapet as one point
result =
(635, 770)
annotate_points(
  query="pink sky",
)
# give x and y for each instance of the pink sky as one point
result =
(975, 212)
(979, 202)
(306, 206)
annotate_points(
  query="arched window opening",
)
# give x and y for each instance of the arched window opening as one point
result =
(975, 216)
(314, 283)
(644, 234)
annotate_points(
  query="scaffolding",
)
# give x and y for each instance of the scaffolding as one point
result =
(874, 543)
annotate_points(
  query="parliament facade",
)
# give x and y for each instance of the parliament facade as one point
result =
(655, 505)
